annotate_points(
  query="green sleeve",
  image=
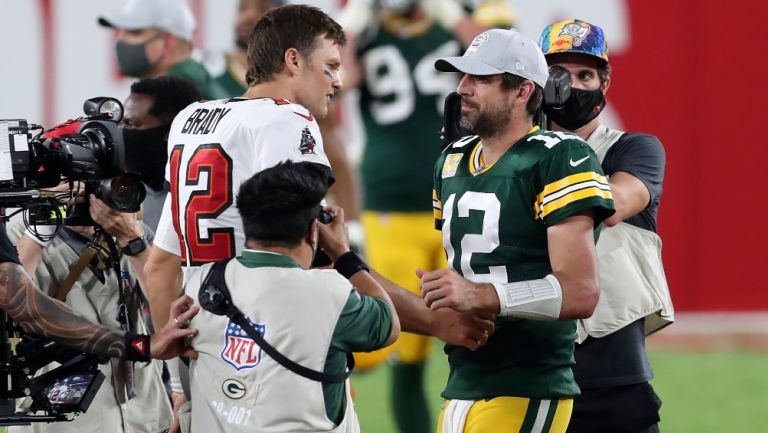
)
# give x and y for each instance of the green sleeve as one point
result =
(364, 325)
(569, 181)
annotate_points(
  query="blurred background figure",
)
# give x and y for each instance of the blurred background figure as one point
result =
(154, 37)
(393, 47)
(149, 112)
(228, 67)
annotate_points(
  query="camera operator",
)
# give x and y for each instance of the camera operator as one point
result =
(149, 112)
(135, 399)
(39, 314)
(314, 317)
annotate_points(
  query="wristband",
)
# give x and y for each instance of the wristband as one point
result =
(349, 264)
(137, 347)
(531, 299)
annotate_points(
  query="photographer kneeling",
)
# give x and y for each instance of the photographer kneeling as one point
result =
(312, 317)
(134, 399)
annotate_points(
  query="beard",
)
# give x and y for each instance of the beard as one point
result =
(486, 123)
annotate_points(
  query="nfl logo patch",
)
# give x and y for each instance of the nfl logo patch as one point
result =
(240, 351)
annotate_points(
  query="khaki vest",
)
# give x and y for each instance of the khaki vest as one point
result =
(148, 412)
(235, 386)
(633, 284)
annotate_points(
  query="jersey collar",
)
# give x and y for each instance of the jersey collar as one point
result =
(476, 163)
(260, 259)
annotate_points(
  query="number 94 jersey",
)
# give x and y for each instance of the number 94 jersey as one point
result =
(494, 221)
(214, 147)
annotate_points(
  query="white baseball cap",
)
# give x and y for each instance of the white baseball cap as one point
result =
(497, 51)
(172, 16)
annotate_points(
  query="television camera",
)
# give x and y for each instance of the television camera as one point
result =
(88, 150)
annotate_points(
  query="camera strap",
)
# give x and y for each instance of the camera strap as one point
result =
(86, 257)
(123, 370)
(215, 298)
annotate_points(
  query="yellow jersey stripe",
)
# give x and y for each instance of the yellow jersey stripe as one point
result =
(565, 191)
(544, 210)
(570, 180)
(575, 187)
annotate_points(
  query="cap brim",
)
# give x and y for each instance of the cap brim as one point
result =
(466, 65)
(105, 22)
(123, 22)
(600, 60)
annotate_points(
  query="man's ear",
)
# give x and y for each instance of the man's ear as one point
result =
(314, 233)
(292, 59)
(525, 91)
(606, 84)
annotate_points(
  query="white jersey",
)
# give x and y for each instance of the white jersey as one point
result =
(214, 147)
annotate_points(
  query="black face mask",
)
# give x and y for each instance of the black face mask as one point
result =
(132, 59)
(578, 110)
(146, 152)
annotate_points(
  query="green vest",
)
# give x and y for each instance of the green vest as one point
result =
(401, 105)
(494, 223)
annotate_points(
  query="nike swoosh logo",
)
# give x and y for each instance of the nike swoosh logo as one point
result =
(578, 161)
(306, 116)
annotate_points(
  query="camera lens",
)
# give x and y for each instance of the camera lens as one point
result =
(126, 192)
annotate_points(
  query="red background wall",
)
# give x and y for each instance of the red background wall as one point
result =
(695, 76)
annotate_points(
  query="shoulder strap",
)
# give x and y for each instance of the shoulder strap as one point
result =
(214, 297)
(74, 273)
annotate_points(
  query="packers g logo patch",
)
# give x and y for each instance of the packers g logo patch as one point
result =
(233, 389)
(451, 164)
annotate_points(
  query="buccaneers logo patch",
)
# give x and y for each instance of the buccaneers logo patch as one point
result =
(578, 31)
(240, 351)
(308, 143)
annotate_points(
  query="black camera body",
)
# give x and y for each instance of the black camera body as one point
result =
(90, 150)
(85, 150)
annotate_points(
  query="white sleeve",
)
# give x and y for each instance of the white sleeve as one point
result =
(292, 135)
(166, 237)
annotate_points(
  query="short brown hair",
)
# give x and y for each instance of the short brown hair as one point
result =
(292, 26)
(603, 71)
(512, 82)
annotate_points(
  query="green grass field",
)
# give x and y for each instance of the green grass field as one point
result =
(718, 392)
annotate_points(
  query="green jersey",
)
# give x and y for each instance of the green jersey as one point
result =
(401, 104)
(494, 221)
(195, 72)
